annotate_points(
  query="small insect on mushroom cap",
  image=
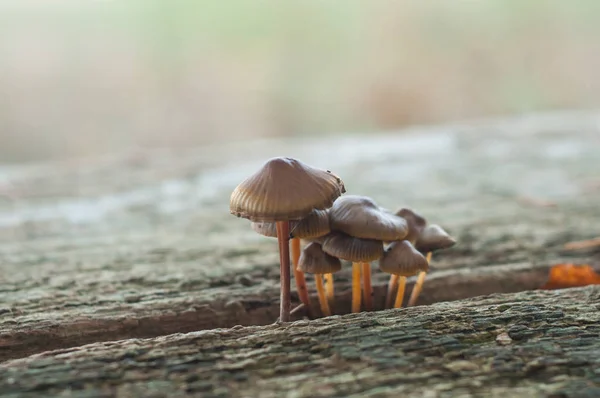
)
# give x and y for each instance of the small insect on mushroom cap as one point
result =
(361, 217)
(416, 223)
(284, 189)
(433, 238)
(353, 249)
(314, 260)
(402, 259)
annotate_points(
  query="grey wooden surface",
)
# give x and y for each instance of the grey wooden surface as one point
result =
(142, 245)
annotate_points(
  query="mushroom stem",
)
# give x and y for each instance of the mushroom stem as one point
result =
(283, 238)
(329, 286)
(322, 298)
(299, 276)
(414, 295)
(366, 274)
(356, 287)
(400, 294)
(390, 291)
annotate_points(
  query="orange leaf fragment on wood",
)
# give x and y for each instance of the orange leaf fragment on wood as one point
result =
(563, 276)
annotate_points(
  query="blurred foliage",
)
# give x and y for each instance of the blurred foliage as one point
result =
(87, 77)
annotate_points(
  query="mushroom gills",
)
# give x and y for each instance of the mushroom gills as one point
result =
(315, 261)
(358, 251)
(403, 260)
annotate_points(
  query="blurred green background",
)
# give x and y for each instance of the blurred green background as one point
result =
(79, 78)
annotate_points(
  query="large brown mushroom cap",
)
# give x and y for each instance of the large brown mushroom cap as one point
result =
(315, 261)
(314, 225)
(352, 249)
(432, 238)
(416, 223)
(359, 216)
(402, 259)
(285, 189)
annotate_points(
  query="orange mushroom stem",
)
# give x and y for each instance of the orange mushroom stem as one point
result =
(323, 302)
(400, 293)
(367, 289)
(392, 284)
(329, 287)
(299, 276)
(356, 291)
(414, 295)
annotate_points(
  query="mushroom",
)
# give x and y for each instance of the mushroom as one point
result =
(432, 238)
(360, 252)
(402, 259)
(313, 226)
(329, 288)
(361, 217)
(315, 261)
(415, 223)
(284, 189)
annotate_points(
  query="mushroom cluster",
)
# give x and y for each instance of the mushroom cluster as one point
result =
(292, 201)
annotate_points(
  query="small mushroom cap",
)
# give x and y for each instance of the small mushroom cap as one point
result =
(403, 259)
(432, 238)
(315, 261)
(347, 247)
(268, 229)
(416, 223)
(314, 225)
(284, 189)
(359, 216)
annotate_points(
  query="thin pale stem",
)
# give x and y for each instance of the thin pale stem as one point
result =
(322, 297)
(414, 295)
(296, 309)
(283, 238)
(299, 276)
(368, 290)
(400, 294)
(390, 291)
(356, 287)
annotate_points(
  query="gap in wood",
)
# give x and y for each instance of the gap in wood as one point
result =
(449, 285)
(257, 310)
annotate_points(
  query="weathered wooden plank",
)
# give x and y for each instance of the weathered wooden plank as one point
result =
(539, 343)
(141, 246)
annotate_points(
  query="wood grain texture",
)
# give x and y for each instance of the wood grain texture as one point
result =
(543, 343)
(142, 245)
